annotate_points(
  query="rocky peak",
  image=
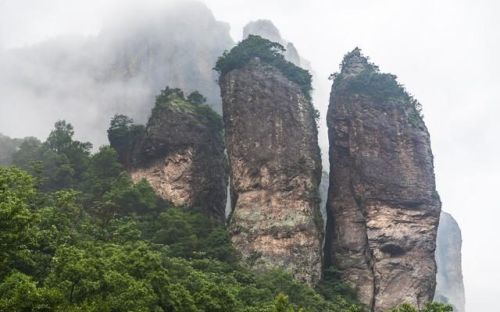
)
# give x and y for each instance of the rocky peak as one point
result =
(181, 154)
(450, 283)
(275, 164)
(383, 208)
(355, 62)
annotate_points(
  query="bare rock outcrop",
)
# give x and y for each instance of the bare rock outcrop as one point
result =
(275, 166)
(383, 208)
(450, 282)
(181, 155)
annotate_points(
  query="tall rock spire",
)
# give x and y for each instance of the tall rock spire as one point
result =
(383, 208)
(275, 163)
(450, 281)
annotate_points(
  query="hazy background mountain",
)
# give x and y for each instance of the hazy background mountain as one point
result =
(86, 80)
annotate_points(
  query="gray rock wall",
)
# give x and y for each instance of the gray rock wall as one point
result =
(275, 165)
(383, 208)
(182, 156)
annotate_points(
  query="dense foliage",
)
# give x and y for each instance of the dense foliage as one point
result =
(58, 162)
(101, 243)
(77, 235)
(194, 102)
(122, 135)
(381, 87)
(430, 307)
(268, 52)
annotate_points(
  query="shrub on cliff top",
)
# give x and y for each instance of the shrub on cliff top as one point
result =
(268, 52)
(371, 82)
(194, 102)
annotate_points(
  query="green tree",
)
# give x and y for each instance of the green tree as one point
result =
(281, 304)
(103, 171)
(123, 135)
(60, 162)
(429, 307)
(61, 142)
(17, 195)
(196, 98)
(437, 307)
(19, 293)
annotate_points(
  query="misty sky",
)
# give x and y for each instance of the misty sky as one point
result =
(446, 52)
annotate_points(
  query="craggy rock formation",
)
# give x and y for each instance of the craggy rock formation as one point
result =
(275, 165)
(383, 208)
(450, 283)
(182, 155)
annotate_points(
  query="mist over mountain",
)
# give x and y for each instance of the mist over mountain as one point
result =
(266, 29)
(86, 80)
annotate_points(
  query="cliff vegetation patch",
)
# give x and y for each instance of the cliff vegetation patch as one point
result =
(370, 82)
(268, 52)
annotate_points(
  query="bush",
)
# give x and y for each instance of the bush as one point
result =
(170, 97)
(378, 86)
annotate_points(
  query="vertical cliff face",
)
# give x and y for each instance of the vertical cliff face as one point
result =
(275, 166)
(383, 207)
(182, 156)
(450, 283)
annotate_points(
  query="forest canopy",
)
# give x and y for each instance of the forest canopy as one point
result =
(98, 242)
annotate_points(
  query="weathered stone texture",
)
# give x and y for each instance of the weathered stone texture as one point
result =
(275, 166)
(182, 156)
(383, 208)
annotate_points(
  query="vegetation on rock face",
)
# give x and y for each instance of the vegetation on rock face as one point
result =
(98, 242)
(122, 135)
(381, 87)
(77, 235)
(268, 52)
(195, 102)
